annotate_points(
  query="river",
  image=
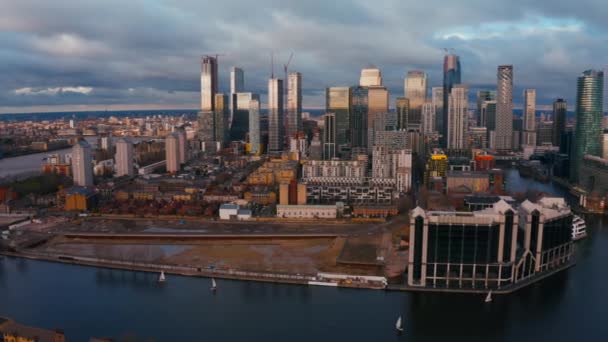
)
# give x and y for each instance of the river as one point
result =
(86, 302)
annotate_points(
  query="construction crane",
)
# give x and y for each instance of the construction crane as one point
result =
(447, 50)
(285, 66)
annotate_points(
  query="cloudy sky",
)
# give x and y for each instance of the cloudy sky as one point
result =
(117, 54)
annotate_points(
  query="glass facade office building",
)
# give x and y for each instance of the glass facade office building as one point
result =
(451, 76)
(338, 102)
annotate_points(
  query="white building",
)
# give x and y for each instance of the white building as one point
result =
(457, 116)
(124, 158)
(529, 118)
(228, 211)
(294, 103)
(370, 77)
(82, 164)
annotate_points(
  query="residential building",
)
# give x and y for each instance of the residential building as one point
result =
(182, 142)
(329, 136)
(428, 118)
(589, 113)
(255, 137)
(237, 85)
(124, 158)
(437, 100)
(82, 164)
(307, 211)
(451, 76)
(415, 92)
(221, 118)
(276, 127)
(172, 153)
(294, 104)
(560, 111)
(504, 108)
(482, 97)
(529, 118)
(457, 117)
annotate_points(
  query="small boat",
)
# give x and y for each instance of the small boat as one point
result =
(213, 285)
(161, 277)
(489, 297)
(579, 228)
(399, 325)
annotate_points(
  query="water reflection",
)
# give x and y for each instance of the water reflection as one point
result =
(141, 281)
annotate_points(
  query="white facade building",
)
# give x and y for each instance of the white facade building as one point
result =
(457, 116)
(82, 167)
(124, 158)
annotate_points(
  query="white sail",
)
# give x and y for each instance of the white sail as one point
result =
(489, 297)
(399, 325)
(161, 277)
(213, 284)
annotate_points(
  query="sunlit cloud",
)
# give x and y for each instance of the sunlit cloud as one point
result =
(53, 91)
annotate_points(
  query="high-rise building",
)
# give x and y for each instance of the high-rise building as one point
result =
(437, 99)
(483, 96)
(457, 116)
(276, 127)
(544, 133)
(182, 143)
(488, 112)
(529, 117)
(589, 113)
(240, 119)
(451, 76)
(370, 77)
(338, 102)
(316, 146)
(402, 106)
(124, 158)
(172, 153)
(560, 109)
(208, 83)
(329, 136)
(504, 108)
(428, 118)
(82, 164)
(221, 118)
(237, 80)
(358, 117)
(415, 91)
(255, 137)
(377, 104)
(294, 103)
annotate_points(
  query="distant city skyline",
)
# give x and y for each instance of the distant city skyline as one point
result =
(58, 61)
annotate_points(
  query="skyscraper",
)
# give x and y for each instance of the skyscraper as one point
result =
(124, 158)
(377, 104)
(428, 118)
(437, 99)
(589, 113)
(560, 108)
(402, 106)
(451, 76)
(182, 144)
(294, 103)
(172, 153)
(529, 117)
(488, 112)
(208, 82)
(370, 77)
(276, 127)
(240, 119)
(221, 118)
(338, 102)
(82, 164)
(329, 136)
(255, 137)
(457, 116)
(237, 85)
(504, 108)
(482, 96)
(358, 117)
(415, 91)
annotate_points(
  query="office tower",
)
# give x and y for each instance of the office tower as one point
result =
(483, 96)
(294, 103)
(276, 127)
(316, 147)
(488, 109)
(255, 136)
(82, 167)
(529, 118)
(504, 108)
(437, 100)
(402, 106)
(329, 136)
(377, 104)
(370, 77)
(451, 76)
(221, 118)
(415, 91)
(560, 109)
(208, 83)
(589, 113)
(240, 119)
(457, 116)
(428, 118)
(358, 117)
(338, 102)
(182, 143)
(237, 85)
(172, 153)
(124, 158)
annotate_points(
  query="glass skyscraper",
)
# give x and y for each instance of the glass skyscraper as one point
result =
(589, 113)
(276, 125)
(504, 108)
(415, 91)
(482, 96)
(451, 76)
(560, 108)
(402, 105)
(338, 102)
(240, 120)
(208, 82)
(358, 117)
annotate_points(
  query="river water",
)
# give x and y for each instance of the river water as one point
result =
(86, 301)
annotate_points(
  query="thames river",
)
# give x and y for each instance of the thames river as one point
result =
(86, 302)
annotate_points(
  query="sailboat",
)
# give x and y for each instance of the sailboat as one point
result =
(399, 325)
(161, 277)
(489, 297)
(213, 285)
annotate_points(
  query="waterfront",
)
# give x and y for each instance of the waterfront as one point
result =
(87, 302)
